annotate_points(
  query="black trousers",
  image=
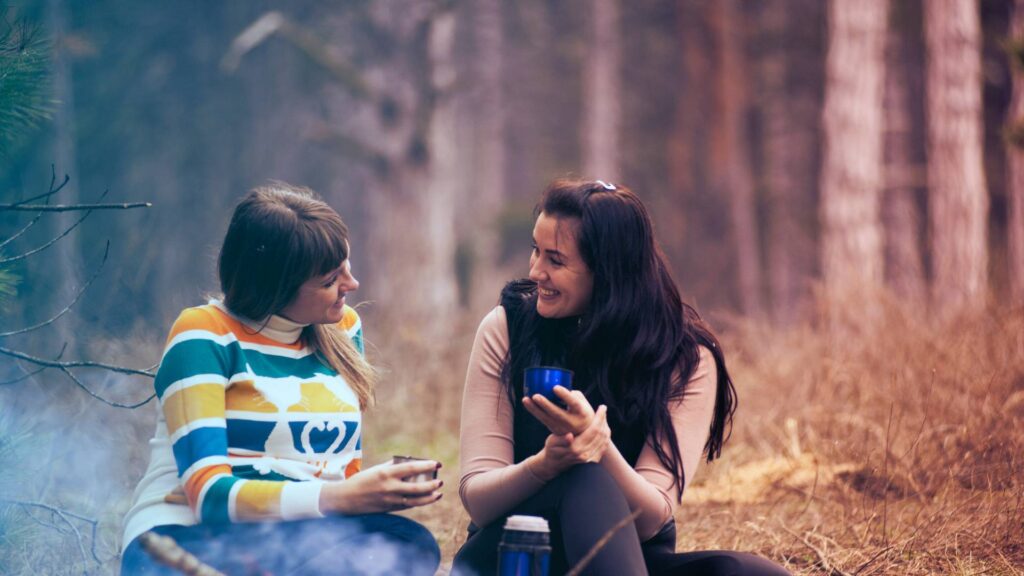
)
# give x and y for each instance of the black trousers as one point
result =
(581, 506)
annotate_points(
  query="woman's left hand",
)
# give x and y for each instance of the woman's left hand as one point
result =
(575, 418)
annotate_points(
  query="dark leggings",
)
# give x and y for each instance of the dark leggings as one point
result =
(581, 506)
(365, 544)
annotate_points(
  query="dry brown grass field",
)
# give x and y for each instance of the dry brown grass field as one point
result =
(884, 446)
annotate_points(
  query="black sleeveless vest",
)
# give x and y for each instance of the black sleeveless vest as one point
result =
(554, 337)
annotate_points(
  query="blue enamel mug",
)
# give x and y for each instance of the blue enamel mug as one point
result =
(543, 379)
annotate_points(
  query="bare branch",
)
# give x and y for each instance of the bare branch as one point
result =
(64, 516)
(28, 375)
(601, 543)
(88, 391)
(51, 190)
(23, 377)
(22, 231)
(274, 22)
(76, 363)
(106, 252)
(48, 244)
(72, 207)
(166, 551)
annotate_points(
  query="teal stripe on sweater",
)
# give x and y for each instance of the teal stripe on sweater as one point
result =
(215, 503)
(200, 356)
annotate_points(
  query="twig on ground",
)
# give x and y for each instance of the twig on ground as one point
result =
(64, 516)
(166, 551)
(601, 543)
(823, 560)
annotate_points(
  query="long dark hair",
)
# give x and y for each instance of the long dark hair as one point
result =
(280, 236)
(637, 345)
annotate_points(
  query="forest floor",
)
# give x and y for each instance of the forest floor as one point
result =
(885, 446)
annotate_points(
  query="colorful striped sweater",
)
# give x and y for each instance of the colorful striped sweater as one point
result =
(250, 426)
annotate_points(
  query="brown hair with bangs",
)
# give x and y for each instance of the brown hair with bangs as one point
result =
(279, 237)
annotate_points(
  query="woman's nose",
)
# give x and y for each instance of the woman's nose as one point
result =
(353, 285)
(536, 273)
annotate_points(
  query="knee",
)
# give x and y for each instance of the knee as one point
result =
(590, 478)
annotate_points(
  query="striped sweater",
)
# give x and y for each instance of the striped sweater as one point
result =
(250, 426)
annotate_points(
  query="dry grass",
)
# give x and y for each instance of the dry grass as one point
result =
(885, 446)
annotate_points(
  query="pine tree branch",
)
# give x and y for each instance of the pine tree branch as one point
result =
(106, 252)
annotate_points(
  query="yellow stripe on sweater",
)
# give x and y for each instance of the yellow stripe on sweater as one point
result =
(258, 499)
(193, 403)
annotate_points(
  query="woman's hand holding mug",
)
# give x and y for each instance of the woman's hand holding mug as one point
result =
(563, 451)
(576, 417)
(382, 489)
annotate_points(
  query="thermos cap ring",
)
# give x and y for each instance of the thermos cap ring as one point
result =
(527, 524)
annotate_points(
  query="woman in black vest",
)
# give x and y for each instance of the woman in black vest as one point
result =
(652, 397)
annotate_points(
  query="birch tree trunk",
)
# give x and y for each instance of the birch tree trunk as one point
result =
(902, 214)
(790, 108)
(852, 170)
(1015, 160)
(732, 159)
(601, 90)
(957, 198)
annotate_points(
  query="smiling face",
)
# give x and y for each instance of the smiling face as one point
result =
(321, 299)
(564, 281)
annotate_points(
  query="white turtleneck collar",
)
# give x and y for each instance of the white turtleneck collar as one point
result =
(277, 328)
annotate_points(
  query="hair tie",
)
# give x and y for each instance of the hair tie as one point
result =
(606, 185)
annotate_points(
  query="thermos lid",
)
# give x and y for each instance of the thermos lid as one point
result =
(527, 524)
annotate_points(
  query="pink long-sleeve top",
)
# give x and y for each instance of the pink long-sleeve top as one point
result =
(492, 484)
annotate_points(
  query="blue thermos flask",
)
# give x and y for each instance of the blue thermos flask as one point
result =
(525, 548)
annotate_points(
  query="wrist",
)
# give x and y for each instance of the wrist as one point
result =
(333, 498)
(539, 466)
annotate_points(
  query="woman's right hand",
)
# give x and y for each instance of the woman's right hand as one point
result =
(563, 451)
(381, 489)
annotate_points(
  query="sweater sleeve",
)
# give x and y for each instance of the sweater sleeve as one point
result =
(490, 483)
(191, 383)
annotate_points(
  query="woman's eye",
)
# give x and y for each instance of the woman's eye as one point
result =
(556, 262)
(534, 248)
(331, 282)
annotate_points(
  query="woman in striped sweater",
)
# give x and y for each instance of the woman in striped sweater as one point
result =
(256, 464)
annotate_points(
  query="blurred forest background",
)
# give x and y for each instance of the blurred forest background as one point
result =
(839, 187)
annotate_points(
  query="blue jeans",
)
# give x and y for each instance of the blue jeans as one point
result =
(365, 544)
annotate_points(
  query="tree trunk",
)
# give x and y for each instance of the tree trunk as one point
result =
(66, 275)
(601, 89)
(904, 154)
(489, 192)
(1015, 160)
(790, 109)
(957, 198)
(731, 158)
(852, 170)
(411, 202)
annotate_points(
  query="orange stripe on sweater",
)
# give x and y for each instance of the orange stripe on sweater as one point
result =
(194, 485)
